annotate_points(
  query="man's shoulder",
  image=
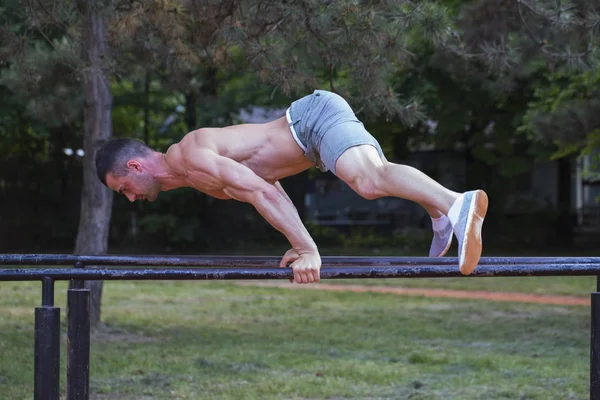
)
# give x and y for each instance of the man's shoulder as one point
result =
(194, 154)
(203, 138)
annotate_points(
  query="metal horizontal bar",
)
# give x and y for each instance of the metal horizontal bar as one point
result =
(267, 261)
(338, 272)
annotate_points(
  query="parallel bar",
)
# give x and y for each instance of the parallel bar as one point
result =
(47, 353)
(595, 348)
(268, 261)
(346, 272)
(78, 344)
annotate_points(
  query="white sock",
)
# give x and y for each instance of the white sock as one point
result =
(438, 224)
(454, 211)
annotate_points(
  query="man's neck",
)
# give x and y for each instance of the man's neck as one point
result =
(167, 177)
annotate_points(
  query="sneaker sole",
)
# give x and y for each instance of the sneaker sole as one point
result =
(472, 241)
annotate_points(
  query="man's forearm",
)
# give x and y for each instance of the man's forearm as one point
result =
(280, 212)
(280, 188)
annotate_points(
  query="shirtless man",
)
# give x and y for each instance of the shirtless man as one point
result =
(245, 162)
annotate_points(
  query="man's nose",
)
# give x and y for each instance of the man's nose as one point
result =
(131, 197)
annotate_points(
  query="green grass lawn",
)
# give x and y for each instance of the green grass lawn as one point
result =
(578, 286)
(205, 340)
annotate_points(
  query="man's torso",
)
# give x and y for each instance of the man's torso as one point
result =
(268, 149)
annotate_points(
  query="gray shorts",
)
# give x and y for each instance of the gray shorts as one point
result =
(325, 126)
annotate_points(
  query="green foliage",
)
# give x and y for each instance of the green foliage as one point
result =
(178, 230)
(325, 235)
(506, 35)
(494, 68)
(348, 48)
(130, 101)
(566, 112)
(471, 112)
(560, 39)
(291, 48)
(44, 82)
(465, 65)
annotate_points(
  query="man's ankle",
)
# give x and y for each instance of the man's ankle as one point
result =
(438, 224)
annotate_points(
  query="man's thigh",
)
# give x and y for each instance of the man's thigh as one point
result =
(340, 139)
(358, 161)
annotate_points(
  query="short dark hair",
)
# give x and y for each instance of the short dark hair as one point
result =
(112, 157)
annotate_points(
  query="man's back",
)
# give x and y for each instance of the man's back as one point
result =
(268, 149)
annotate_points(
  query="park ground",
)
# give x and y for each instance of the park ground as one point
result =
(375, 339)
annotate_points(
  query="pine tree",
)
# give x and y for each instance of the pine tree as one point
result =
(292, 47)
(553, 43)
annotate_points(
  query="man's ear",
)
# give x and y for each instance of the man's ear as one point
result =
(134, 165)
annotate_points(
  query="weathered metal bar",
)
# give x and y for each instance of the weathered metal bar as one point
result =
(340, 272)
(47, 353)
(78, 344)
(595, 348)
(267, 261)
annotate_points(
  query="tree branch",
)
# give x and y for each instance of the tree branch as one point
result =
(532, 9)
(327, 52)
(32, 6)
(541, 43)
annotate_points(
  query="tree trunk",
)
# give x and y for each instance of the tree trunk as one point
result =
(96, 199)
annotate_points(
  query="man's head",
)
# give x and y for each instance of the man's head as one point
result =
(123, 165)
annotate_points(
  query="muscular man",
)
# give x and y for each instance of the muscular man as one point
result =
(245, 162)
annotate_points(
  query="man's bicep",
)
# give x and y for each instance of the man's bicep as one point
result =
(223, 171)
(239, 181)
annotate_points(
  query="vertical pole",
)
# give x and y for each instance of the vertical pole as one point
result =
(78, 341)
(48, 292)
(47, 346)
(78, 283)
(595, 344)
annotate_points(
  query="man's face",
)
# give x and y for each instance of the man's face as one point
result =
(136, 185)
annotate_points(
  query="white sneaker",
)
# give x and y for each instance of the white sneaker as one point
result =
(466, 215)
(442, 240)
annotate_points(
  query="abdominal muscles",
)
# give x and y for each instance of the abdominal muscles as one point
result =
(267, 149)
